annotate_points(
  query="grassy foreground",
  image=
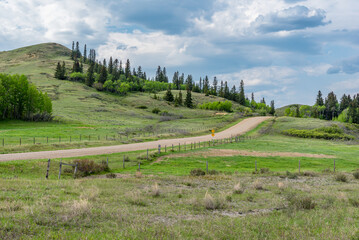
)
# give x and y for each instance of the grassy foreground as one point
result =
(164, 202)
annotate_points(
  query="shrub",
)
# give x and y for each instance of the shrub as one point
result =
(258, 185)
(238, 188)
(354, 202)
(156, 111)
(111, 175)
(264, 170)
(220, 106)
(341, 177)
(328, 133)
(356, 175)
(98, 86)
(292, 175)
(213, 172)
(301, 202)
(86, 167)
(197, 172)
(155, 192)
(142, 107)
(211, 204)
(77, 77)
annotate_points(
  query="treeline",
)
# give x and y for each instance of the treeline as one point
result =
(21, 100)
(345, 110)
(120, 79)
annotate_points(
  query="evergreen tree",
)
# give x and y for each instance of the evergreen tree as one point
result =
(73, 50)
(120, 69)
(189, 82)
(115, 71)
(103, 75)
(272, 109)
(58, 71)
(200, 84)
(128, 69)
(77, 51)
(169, 96)
(252, 97)
(90, 78)
(226, 91)
(344, 102)
(110, 66)
(331, 106)
(134, 73)
(85, 54)
(263, 100)
(175, 80)
(159, 74)
(233, 94)
(188, 101)
(76, 66)
(206, 86)
(215, 83)
(181, 79)
(139, 72)
(164, 75)
(221, 90)
(241, 97)
(320, 101)
(180, 98)
(63, 72)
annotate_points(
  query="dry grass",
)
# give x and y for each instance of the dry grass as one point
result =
(258, 185)
(155, 191)
(238, 189)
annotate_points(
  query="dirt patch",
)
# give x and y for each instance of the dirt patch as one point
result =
(220, 114)
(232, 152)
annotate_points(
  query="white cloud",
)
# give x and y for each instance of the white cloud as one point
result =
(149, 49)
(317, 70)
(350, 86)
(34, 21)
(262, 76)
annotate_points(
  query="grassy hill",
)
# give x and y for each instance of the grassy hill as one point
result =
(82, 110)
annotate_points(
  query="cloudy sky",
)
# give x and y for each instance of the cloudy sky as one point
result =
(284, 50)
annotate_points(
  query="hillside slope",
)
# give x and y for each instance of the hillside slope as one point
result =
(83, 110)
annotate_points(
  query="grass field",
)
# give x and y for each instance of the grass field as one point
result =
(163, 201)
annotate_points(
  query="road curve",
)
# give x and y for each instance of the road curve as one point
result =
(238, 129)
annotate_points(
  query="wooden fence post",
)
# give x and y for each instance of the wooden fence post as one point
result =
(139, 166)
(76, 169)
(60, 168)
(48, 169)
(172, 147)
(159, 148)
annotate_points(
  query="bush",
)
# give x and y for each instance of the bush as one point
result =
(356, 175)
(329, 133)
(156, 111)
(301, 202)
(142, 107)
(111, 175)
(292, 175)
(220, 106)
(341, 177)
(77, 77)
(98, 86)
(197, 172)
(86, 167)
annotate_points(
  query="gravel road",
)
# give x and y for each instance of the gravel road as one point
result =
(238, 129)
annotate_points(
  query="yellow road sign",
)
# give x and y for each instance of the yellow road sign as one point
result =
(212, 130)
(212, 134)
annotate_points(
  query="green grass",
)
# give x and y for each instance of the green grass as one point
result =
(164, 202)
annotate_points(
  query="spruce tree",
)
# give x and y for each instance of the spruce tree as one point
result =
(73, 50)
(241, 97)
(103, 75)
(58, 71)
(63, 71)
(221, 90)
(188, 101)
(215, 83)
(226, 91)
(110, 66)
(90, 79)
(85, 54)
(319, 101)
(169, 96)
(180, 98)
(206, 86)
(128, 69)
(272, 109)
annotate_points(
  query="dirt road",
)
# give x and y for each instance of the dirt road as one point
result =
(238, 129)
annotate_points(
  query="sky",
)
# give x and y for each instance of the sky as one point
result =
(283, 50)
